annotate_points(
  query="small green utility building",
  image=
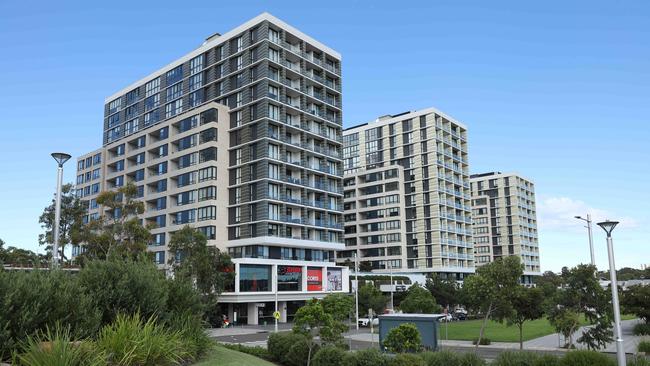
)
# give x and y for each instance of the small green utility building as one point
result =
(427, 324)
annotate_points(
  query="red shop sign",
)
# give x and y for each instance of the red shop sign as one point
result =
(314, 279)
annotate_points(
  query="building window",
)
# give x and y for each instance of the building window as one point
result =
(196, 98)
(152, 102)
(274, 112)
(174, 75)
(274, 36)
(196, 82)
(289, 278)
(152, 87)
(174, 91)
(196, 64)
(207, 213)
(173, 108)
(274, 171)
(254, 278)
(152, 117)
(239, 44)
(274, 212)
(159, 257)
(132, 96)
(114, 106)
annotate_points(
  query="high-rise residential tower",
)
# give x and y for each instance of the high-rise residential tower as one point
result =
(240, 138)
(505, 221)
(407, 194)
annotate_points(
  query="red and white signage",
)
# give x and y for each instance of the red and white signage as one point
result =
(314, 279)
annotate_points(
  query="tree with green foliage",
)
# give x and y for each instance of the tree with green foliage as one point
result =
(70, 223)
(365, 266)
(566, 322)
(340, 306)
(206, 267)
(527, 304)
(312, 320)
(371, 297)
(581, 293)
(119, 232)
(489, 291)
(636, 300)
(419, 300)
(627, 273)
(548, 282)
(444, 291)
(22, 257)
(403, 338)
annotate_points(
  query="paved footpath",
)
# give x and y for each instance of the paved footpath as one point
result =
(258, 335)
(630, 341)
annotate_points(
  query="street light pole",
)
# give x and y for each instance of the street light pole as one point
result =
(60, 158)
(609, 226)
(276, 300)
(591, 237)
(390, 267)
(356, 288)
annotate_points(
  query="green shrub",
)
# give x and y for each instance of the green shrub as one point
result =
(35, 300)
(546, 359)
(516, 358)
(641, 329)
(183, 298)
(57, 349)
(192, 332)
(643, 346)
(279, 344)
(299, 353)
(369, 357)
(328, 356)
(125, 287)
(587, 358)
(404, 338)
(132, 341)
(259, 352)
(407, 359)
(448, 358)
(484, 341)
(638, 361)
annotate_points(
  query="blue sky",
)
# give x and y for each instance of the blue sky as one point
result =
(557, 91)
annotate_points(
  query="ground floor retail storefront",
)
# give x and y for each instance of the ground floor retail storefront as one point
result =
(238, 313)
(258, 284)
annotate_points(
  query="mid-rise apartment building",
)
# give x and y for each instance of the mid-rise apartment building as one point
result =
(240, 138)
(505, 221)
(407, 194)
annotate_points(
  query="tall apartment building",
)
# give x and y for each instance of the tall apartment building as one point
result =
(505, 221)
(407, 194)
(240, 138)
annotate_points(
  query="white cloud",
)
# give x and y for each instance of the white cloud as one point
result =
(558, 214)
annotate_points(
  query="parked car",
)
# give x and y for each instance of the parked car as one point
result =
(446, 318)
(365, 322)
(459, 316)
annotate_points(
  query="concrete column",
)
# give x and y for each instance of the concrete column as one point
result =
(253, 318)
(236, 277)
(231, 312)
(324, 279)
(304, 278)
(282, 308)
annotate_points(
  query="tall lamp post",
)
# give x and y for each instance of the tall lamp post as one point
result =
(609, 226)
(356, 289)
(60, 158)
(390, 267)
(591, 237)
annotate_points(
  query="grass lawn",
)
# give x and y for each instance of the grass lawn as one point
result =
(226, 357)
(468, 330)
